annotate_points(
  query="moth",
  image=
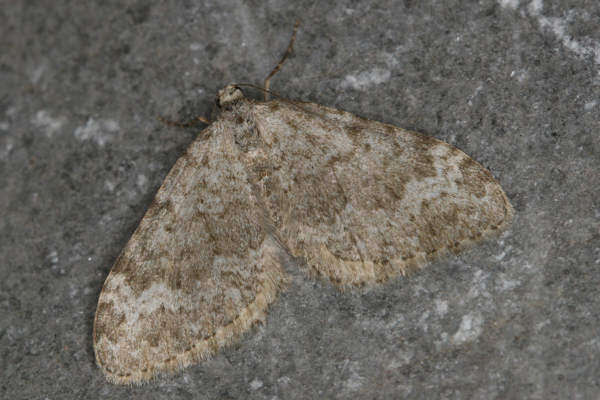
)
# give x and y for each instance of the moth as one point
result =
(360, 201)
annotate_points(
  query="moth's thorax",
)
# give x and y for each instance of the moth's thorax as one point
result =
(237, 114)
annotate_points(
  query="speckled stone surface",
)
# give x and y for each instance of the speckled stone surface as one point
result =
(515, 84)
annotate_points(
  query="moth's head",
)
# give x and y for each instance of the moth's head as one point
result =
(229, 95)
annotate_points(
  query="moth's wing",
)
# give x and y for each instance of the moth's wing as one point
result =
(198, 271)
(363, 201)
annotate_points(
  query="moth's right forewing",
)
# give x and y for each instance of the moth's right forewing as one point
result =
(363, 201)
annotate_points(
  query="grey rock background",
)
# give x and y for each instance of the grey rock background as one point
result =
(514, 83)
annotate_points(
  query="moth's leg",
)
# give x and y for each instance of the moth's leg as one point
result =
(288, 51)
(195, 121)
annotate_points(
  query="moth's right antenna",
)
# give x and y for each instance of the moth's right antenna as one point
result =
(285, 56)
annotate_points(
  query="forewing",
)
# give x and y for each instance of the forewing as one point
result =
(197, 272)
(363, 201)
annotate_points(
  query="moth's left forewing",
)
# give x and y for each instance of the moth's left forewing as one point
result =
(198, 271)
(363, 201)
